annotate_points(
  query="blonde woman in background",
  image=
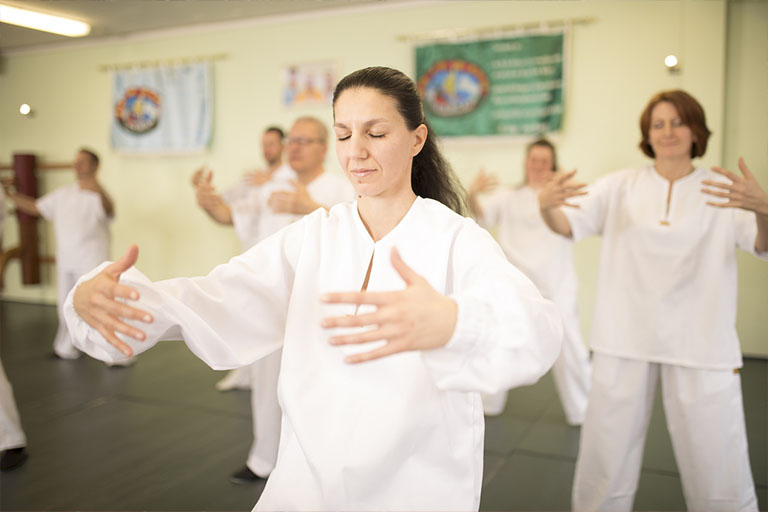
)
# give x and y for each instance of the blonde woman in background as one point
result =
(547, 259)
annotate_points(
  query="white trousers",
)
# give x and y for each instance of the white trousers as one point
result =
(62, 343)
(571, 372)
(11, 434)
(266, 414)
(705, 419)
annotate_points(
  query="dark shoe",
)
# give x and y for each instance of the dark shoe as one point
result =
(13, 458)
(244, 476)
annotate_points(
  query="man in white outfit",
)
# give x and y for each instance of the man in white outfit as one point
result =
(547, 259)
(240, 205)
(81, 214)
(289, 193)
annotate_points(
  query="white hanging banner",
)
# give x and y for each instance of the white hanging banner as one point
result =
(166, 109)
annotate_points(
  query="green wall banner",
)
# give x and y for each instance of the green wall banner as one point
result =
(510, 86)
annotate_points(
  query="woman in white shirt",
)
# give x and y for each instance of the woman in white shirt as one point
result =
(547, 259)
(405, 430)
(665, 309)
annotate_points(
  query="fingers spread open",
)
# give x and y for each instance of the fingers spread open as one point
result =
(126, 292)
(726, 204)
(353, 320)
(115, 341)
(716, 193)
(718, 184)
(725, 172)
(744, 169)
(113, 324)
(386, 350)
(373, 298)
(406, 272)
(387, 332)
(124, 263)
(119, 309)
(566, 176)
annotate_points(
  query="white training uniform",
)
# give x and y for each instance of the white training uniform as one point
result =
(81, 227)
(665, 306)
(547, 259)
(254, 220)
(404, 432)
(11, 433)
(252, 217)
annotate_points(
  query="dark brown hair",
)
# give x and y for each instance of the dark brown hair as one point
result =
(691, 114)
(431, 175)
(91, 154)
(543, 142)
(276, 129)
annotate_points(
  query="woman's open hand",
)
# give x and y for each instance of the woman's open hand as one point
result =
(96, 301)
(559, 190)
(416, 318)
(742, 192)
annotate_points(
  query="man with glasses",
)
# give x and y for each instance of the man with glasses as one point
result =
(285, 196)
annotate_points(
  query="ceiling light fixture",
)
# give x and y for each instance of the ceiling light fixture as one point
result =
(672, 63)
(44, 22)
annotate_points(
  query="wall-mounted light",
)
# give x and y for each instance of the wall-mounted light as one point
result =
(673, 65)
(25, 110)
(44, 22)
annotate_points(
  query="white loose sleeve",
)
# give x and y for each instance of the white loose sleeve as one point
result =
(237, 192)
(229, 318)
(491, 206)
(590, 216)
(246, 214)
(46, 205)
(745, 228)
(506, 334)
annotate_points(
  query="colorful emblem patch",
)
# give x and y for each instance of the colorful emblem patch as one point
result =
(138, 111)
(453, 87)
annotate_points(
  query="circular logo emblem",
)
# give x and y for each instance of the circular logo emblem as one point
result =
(453, 87)
(138, 111)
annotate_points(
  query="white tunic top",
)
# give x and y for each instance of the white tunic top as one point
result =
(544, 256)
(253, 218)
(666, 289)
(80, 224)
(401, 433)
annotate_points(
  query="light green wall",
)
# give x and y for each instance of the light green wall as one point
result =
(746, 134)
(615, 65)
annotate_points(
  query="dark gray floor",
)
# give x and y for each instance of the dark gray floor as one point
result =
(158, 436)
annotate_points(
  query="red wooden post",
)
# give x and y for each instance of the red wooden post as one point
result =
(26, 183)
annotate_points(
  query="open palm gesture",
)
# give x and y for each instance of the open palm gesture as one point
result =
(416, 318)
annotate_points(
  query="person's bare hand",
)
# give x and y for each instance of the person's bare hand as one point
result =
(205, 192)
(416, 318)
(256, 178)
(742, 192)
(96, 302)
(483, 183)
(7, 184)
(297, 201)
(559, 190)
(198, 175)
